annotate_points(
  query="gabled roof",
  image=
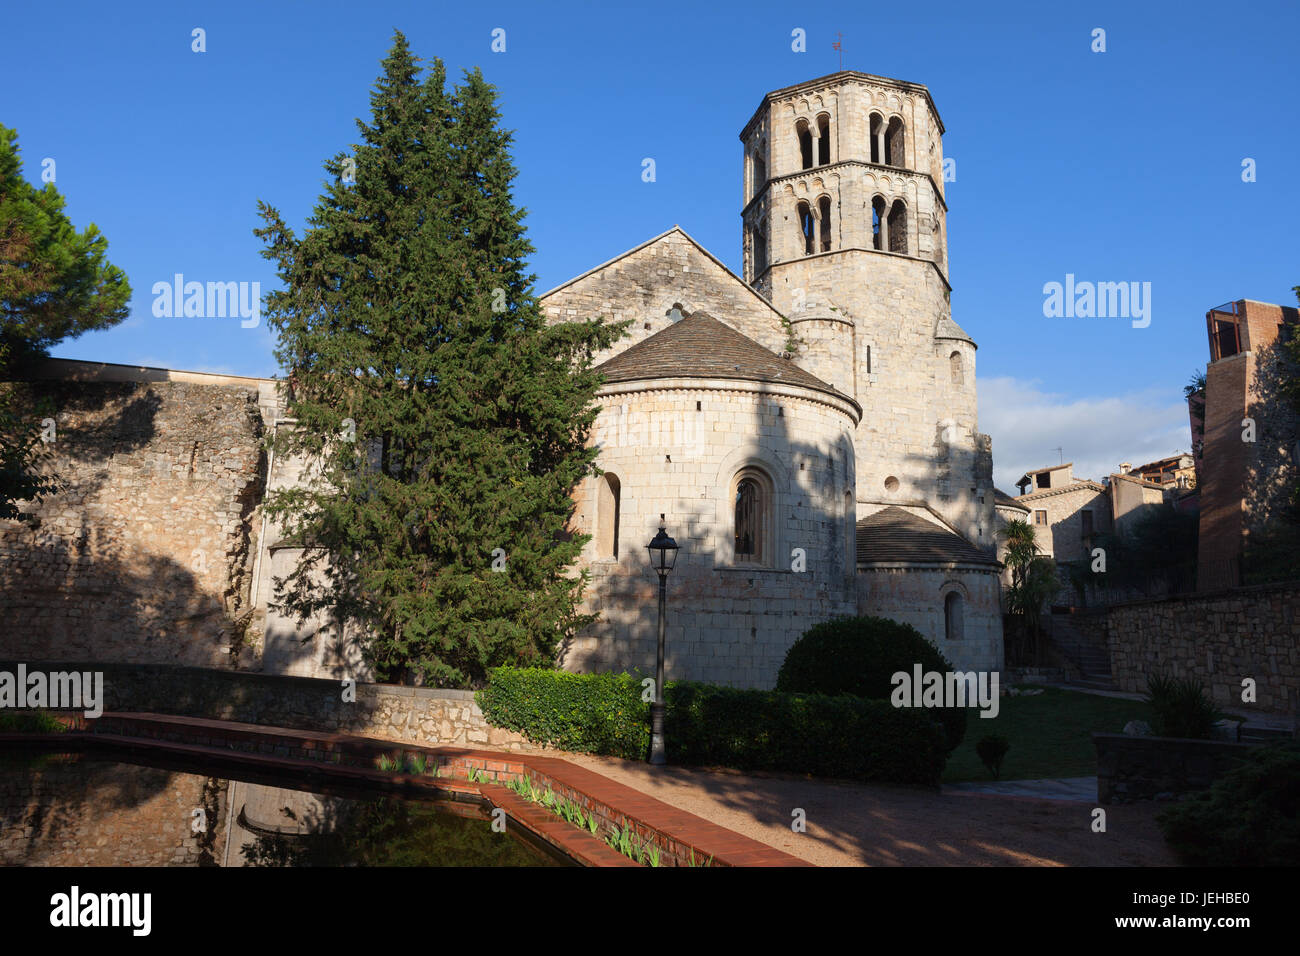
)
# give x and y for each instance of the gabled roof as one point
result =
(1079, 484)
(1036, 471)
(650, 242)
(1138, 481)
(700, 346)
(894, 535)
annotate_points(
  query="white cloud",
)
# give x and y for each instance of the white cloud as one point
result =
(1028, 424)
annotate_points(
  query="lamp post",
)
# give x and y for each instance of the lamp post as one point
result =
(663, 554)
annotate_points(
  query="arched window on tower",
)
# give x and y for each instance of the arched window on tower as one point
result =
(878, 224)
(807, 227)
(952, 616)
(957, 368)
(805, 143)
(823, 139)
(752, 497)
(760, 247)
(894, 143)
(877, 137)
(824, 208)
(760, 169)
(897, 227)
(608, 493)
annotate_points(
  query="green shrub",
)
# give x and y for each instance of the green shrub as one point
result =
(1249, 817)
(859, 656)
(30, 722)
(991, 750)
(586, 713)
(843, 736)
(1182, 708)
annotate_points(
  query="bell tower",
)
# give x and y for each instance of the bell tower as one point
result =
(844, 226)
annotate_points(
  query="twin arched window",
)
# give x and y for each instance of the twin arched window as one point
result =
(887, 138)
(814, 141)
(815, 225)
(889, 225)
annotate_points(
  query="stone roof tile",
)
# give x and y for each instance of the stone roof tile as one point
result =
(895, 535)
(700, 346)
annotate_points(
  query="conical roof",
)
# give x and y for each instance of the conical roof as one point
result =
(700, 346)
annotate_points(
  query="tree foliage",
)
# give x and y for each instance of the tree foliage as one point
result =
(447, 422)
(55, 282)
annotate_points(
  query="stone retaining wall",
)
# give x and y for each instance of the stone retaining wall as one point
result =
(410, 714)
(1221, 638)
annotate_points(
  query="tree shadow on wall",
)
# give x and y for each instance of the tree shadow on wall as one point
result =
(63, 604)
(1271, 492)
(94, 421)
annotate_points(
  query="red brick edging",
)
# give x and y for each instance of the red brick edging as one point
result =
(680, 836)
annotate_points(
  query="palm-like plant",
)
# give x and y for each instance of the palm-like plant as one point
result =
(1033, 583)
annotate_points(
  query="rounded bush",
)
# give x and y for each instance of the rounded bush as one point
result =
(859, 656)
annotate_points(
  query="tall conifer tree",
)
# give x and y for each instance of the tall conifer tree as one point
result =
(448, 422)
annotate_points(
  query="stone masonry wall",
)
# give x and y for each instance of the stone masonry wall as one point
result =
(644, 284)
(417, 715)
(147, 553)
(676, 447)
(1220, 638)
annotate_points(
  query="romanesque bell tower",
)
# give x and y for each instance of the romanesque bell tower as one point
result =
(845, 233)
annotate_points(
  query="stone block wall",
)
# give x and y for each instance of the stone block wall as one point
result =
(676, 447)
(418, 715)
(643, 285)
(916, 596)
(1062, 537)
(147, 553)
(1220, 638)
(918, 426)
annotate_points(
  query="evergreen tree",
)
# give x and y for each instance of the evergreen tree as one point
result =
(447, 420)
(54, 282)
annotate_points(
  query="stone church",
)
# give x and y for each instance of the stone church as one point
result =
(808, 432)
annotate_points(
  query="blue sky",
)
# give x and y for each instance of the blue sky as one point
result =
(1117, 166)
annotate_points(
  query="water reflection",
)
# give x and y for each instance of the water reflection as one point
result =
(294, 828)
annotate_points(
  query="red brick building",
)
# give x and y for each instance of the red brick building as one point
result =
(1249, 454)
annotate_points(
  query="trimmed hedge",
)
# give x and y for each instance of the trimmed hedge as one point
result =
(844, 736)
(859, 656)
(586, 713)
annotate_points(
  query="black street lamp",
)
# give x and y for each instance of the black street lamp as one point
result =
(663, 554)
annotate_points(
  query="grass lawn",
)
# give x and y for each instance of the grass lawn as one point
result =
(1049, 734)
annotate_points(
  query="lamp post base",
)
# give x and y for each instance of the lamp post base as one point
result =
(657, 734)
